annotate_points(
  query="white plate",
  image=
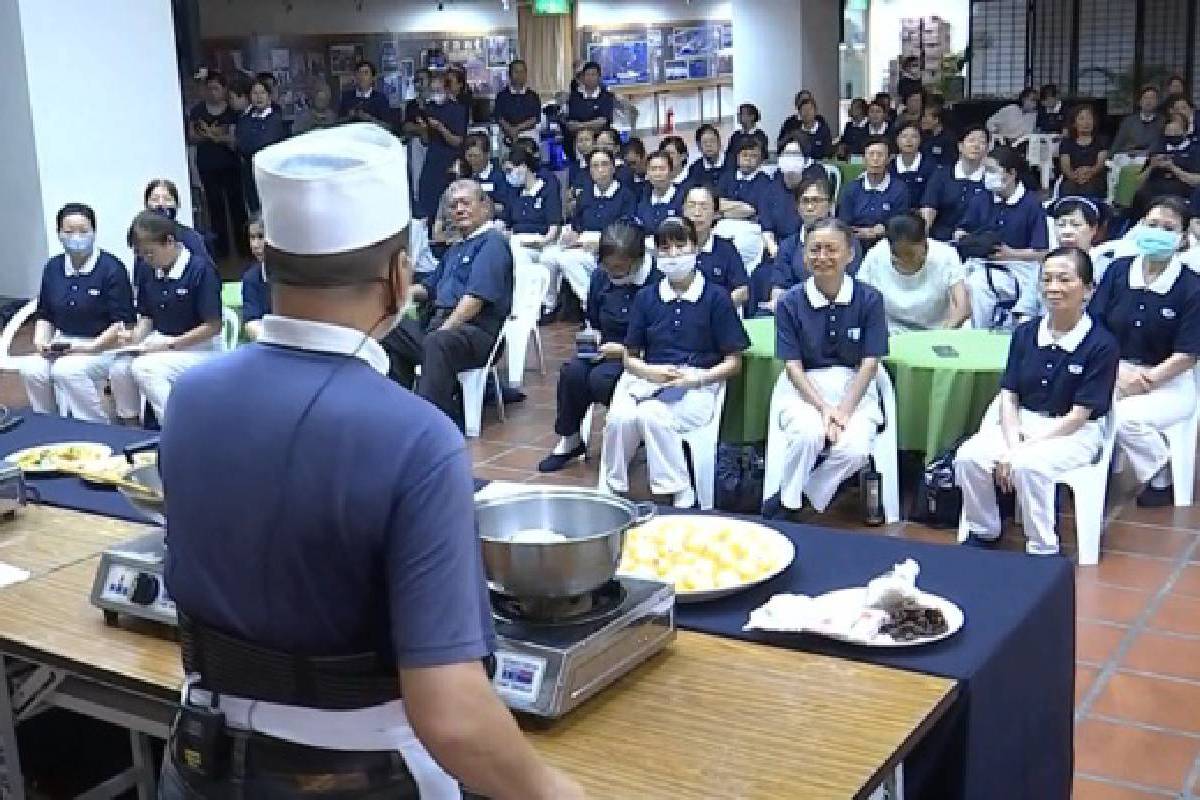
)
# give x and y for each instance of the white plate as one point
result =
(785, 550)
(856, 597)
(98, 451)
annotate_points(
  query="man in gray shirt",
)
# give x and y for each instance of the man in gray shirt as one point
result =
(1139, 132)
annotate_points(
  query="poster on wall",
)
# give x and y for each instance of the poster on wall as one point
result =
(343, 57)
(676, 70)
(694, 41)
(621, 63)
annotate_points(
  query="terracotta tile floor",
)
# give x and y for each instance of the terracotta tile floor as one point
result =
(1138, 629)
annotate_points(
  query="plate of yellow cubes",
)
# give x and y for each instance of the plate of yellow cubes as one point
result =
(706, 557)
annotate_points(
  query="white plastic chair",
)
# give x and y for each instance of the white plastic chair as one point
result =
(1181, 439)
(231, 326)
(528, 291)
(746, 237)
(701, 442)
(7, 359)
(883, 449)
(474, 384)
(835, 180)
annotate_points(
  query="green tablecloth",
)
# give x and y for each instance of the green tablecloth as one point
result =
(938, 398)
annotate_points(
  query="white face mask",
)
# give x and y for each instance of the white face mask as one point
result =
(677, 268)
(516, 176)
(793, 163)
(993, 181)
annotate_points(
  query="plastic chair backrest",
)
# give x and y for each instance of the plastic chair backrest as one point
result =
(10, 332)
(834, 173)
(1128, 182)
(230, 327)
(528, 292)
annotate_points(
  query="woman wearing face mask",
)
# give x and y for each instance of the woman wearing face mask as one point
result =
(260, 125)
(779, 218)
(445, 124)
(830, 332)
(1082, 156)
(604, 202)
(533, 214)
(1151, 303)
(684, 340)
(910, 166)
(1046, 421)
(162, 197)
(178, 323)
(84, 300)
(717, 259)
(586, 379)
(663, 200)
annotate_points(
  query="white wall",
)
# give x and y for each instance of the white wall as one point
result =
(633, 12)
(884, 31)
(245, 17)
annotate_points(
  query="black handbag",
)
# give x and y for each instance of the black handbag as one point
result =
(740, 471)
(938, 500)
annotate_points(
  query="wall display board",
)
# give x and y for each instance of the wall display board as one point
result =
(660, 53)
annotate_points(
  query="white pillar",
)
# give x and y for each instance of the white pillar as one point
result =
(92, 110)
(781, 47)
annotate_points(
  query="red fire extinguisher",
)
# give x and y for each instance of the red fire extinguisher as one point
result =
(670, 126)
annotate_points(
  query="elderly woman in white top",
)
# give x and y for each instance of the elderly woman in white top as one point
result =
(922, 281)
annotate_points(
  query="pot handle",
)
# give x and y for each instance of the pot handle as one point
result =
(645, 512)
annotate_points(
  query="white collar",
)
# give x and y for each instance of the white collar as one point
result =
(643, 272)
(485, 173)
(176, 271)
(720, 162)
(751, 177)
(531, 191)
(882, 187)
(757, 130)
(679, 179)
(666, 198)
(323, 337)
(1057, 108)
(898, 163)
(1165, 280)
(586, 96)
(517, 92)
(959, 175)
(1015, 197)
(608, 193)
(817, 299)
(815, 127)
(359, 93)
(877, 131)
(667, 293)
(266, 112)
(1147, 118)
(707, 247)
(87, 267)
(1069, 340)
(482, 229)
(865, 122)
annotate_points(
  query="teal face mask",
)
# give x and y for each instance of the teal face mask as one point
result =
(1156, 243)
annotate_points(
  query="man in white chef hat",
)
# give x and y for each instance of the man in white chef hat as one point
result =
(322, 553)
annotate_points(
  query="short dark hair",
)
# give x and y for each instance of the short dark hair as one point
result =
(1084, 205)
(877, 104)
(1049, 90)
(634, 145)
(935, 100)
(1148, 87)
(152, 227)
(707, 127)
(264, 77)
(858, 102)
(708, 189)
(819, 181)
(215, 75)
(71, 209)
(514, 62)
(874, 140)
(369, 65)
(1075, 112)
(1176, 205)
(935, 112)
(599, 152)
(480, 140)
(1080, 258)
(622, 239)
(967, 131)
(883, 95)
(750, 143)
(522, 155)
(674, 142)
(1028, 91)
(161, 183)
(1009, 159)
(590, 65)
(239, 85)
(905, 125)
(675, 230)
(751, 109)
(257, 81)
(792, 137)
(906, 228)
(611, 133)
(831, 224)
(660, 155)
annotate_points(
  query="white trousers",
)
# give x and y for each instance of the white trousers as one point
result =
(70, 385)
(1036, 468)
(659, 425)
(1023, 280)
(799, 423)
(527, 261)
(152, 375)
(574, 264)
(1142, 418)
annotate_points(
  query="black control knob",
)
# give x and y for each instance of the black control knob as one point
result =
(145, 589)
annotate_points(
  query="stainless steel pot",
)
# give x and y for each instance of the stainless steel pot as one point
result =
(594, 524)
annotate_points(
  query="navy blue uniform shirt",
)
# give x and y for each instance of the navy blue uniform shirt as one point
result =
(789, 268)
(941, 147)
(652, 212)
(819, 334)
(609, 304)
(375, 103)
(517, 108)
(780, 215)
(1152, 322)
(854, 137)
(87, 302)
(586, 109)
(861, 206)
(596, 209)
(536, 211)
(1049, 377)
(816, 143)
(352, 527)
(695, 329)
(255, 131)
(256, 294)
(179, 299)
(703, 173)
(949, 192)
(735, 142)
(481, 266)
(493, 183)
(915, 177)
(721, 264)
(756, 190)
(1020, 221)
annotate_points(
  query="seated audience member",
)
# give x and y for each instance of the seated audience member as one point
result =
(162, 197)
(854, 135)
(677, 148)
(779, 218)
(810, 129)
(1174, 166)
(1175, 86)
(1077, 224)
(84, 302)
(533, 215)
(1141, 131)
(712, 163)
(1051, 116)
(717, 258)
(869, 201)
(259, 126)
(604, 202)
(463, 306)
(950, 191)
(910, 79)
(746, 191)
(178, 318)
(634, 153)
(321, 114)
(879, 122)
(477, 150)
(518, 108)
(256, 292)
(1046, 421)
(444, 230)
(1081, 157)
(914, 108)
(684, 341)
(910, 166)
(830, 332)
(364, 102)
(608, 139)
(1151, 303)
(587, 379)
(937, 142)
(748, 119)
(578, 174)
(813, 198)
(1014, 122)
(884, 99)
(922, 280)
(663, 200)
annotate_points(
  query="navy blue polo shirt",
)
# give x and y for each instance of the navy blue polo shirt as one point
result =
(780, 215)
(481, 266)
(583, 109)
(721, 264)
(1150, 323)
(578, 176)
(256, 294)
(949, 195)
(916, 178)
(536, 212)
(819, 334)
(862, 207)
(596, 212)
(609, 305)
(789, 268)
(352, 527)
(1050, 378)
(697, 329)
(854, 137)
(376, 104)
(1051, 121)
(757, 191)
(254, 132)
(702, 173)
(517, 108)
(85, 305)
(941, 147)
(493, 183)
(179, 301)
(816, 144)
(735, 141)
(651, 214)
(1019, 225)
(211, 156)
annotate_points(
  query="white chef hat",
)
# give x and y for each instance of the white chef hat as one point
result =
(334, 190)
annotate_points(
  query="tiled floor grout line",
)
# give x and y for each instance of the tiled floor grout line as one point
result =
(1159, 676)
(1130, 785)
(1145, 726)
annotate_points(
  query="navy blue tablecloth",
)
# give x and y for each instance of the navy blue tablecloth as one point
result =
(1009, 735)
(68, 491)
